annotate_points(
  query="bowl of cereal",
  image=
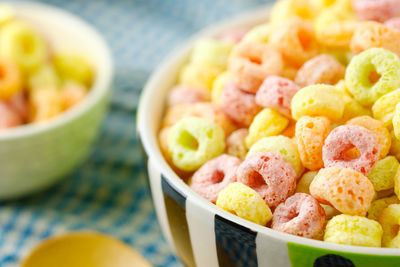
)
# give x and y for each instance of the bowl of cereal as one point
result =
(56, 74)
(274, 138)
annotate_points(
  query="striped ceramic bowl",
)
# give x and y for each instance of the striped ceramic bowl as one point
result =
(35, 156)
(203, 235)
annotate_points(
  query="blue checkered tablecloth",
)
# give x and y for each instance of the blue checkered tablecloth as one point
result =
(108, 192)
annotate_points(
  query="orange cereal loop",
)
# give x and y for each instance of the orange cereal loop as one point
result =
(10, 79)
(290, 131)
(251, 62)
(378, 128)
(45, 104)
(310, 134)
(203, 110)
(337, 34)
(347, 190)
(295, 39)
(373, 34)
(320, 69)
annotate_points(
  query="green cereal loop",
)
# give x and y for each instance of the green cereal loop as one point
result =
(358, 75)
(282, 145)
(194, 141)
(382, 175)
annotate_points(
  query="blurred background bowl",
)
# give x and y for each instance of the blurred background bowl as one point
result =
(35, 156)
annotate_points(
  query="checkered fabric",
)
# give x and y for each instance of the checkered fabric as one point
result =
(108, 193)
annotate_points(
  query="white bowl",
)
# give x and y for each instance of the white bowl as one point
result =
(202, 234)
(35, 156)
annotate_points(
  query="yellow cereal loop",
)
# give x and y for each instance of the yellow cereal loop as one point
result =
(395, 147)
(267, 122)
(71, 66)
(193, 141)
(383, 109)
(318, 100)
(199, 76)
(383, 173)
(352, 108)
(353, 230)
(372, 74)
(282, 145)
(259, 33)
(397, 183)
(303, 185)
(22, 44)
(44, 76)
(377, 206)
(390, 221)
(218, 85)
(396, 122)
(244, 202)
(286, 9)
(211, 52)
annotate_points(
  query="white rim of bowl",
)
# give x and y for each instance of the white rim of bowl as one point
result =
(150, 144)
(101, 85)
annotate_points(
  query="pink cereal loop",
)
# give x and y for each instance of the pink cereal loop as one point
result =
(277, 92)
(251, 63)
(345, 137)
(300, 215)
(378, 10)
(270, 175)
(215, 175)
(238, 105)
(187, 95)
(393, 23)
(8, 117)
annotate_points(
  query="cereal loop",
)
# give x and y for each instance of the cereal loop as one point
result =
(346, 137)
(390, 221)
(353, 230)
(383, 173)
(8, 117)
(299, 215)
(380, 10)
(377, 206)
(296, 41)
(270, 175)
(244, 202)
(11, 80)
(383, 109)
(320, 69)
(236, 145)
(393, 23)
(238, 105)
(396, 122)
(252, 62)
(378, 129)
(277, 92)
(311, 133)
(215, 175)
(193, 141)
(318, 100)
(347, 190)
(187, 95)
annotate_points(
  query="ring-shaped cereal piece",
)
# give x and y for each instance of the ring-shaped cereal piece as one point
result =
(295, 39)
(372, 74)
(270, 175)
(238, 105)
(215, 175)
(378, 128)
(347, 190)
(320, 69)
(277, 92)
(383, 174)
(11, 80)
(390, 221)
(300, 215)
(252, 62)
(353, 230)
(383, 109)
(393, 23)
(370, 34)
(187, 95)
(244, 202)
(194, 141)
(346, 137)
(311, 133)
(318, 100)
(8, 117)
(396, 122)
(377, 206)
(380, 10)
(236, 145)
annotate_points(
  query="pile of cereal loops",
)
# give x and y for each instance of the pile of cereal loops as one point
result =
(36, 83)
(295, 124)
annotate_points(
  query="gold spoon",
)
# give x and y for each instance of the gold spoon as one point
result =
(84, 249)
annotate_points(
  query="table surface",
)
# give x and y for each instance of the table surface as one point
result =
(108, 193)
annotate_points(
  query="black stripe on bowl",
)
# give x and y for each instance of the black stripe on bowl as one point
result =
(175, 204)
(331, 260)
(236, 244)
